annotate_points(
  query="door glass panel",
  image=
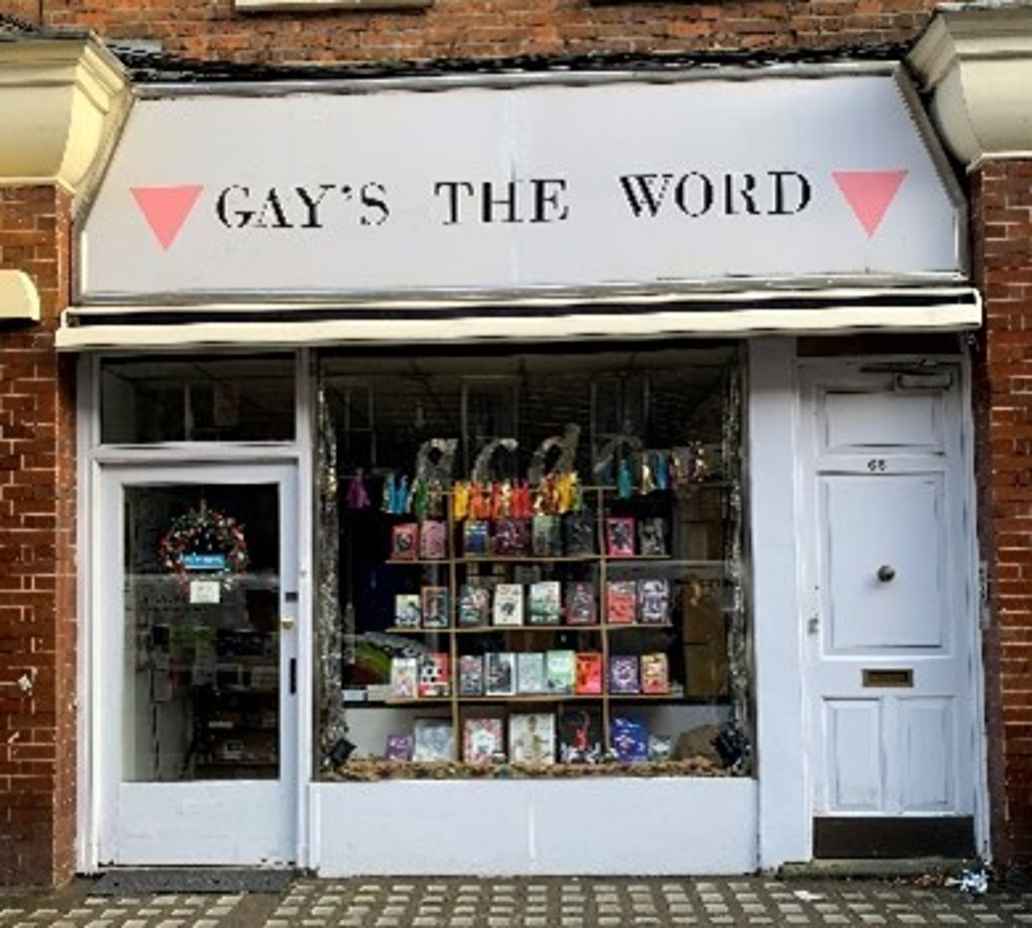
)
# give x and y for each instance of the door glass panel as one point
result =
(201, 671)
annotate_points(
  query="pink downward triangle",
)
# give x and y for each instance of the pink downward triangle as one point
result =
(166, 209)
(869, 194)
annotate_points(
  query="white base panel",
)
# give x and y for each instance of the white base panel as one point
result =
(549, 827)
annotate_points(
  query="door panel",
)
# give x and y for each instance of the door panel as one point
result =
(886, 570)
(853, 731)
(891, 523)
(199, 729)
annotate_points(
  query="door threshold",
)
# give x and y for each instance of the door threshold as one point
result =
(222, 880)
(873, 868)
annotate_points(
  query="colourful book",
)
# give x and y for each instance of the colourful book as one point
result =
(508, 604)
(532, 738)
(630, 739)
(404, 539)
(404, 678)
(399, 747)
(623, 673)
(654, 602)
(545, 605)
(476, 539)
(434, 678)
(433, 540)
(511, 537)
(580, 604)
(500, 674)
(655, 673)
(474, 606)
(435, 607)
(530, 672)
(621, 602)
(620, 536)
(482, 740)
(546, 536)
(408, 610)
(652, 537)
(433, 740)
(560, 671)
(580, 734)
(589, 674)
(471, 675)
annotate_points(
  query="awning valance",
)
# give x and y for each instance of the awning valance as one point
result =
(628, 317)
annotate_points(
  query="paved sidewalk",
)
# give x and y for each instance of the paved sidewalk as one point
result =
(529, 903)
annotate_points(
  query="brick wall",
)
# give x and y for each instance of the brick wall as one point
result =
(37, 554)
(473, 28)
(1001, 201)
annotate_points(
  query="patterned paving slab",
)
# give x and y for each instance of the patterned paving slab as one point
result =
(529, 903)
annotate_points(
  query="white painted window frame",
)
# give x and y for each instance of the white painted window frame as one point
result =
(92, 457)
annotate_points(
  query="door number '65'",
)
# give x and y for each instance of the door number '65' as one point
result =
(876, 464)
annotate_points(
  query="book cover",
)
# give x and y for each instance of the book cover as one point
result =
(404, 678)
(652, 537)
(471, 675)
(432, 740)
(474, 606)
(508, 604)
(655, 673)
(654, 601)
(403, 542)
(580, 735)
(476, 538)
(546, 536)
(580, 604)
(589, 673)
(482, 740)
(560, 671)
(433, 540)
(620, 536)
(399, 747)
(532, 738)
(500, 674)
(621, 602)
(661, 747)
(511, 537)
(545, 605)
(623, 673)
(408, 610)
(579, 533)
(435, 607)
(530, 672)
(434, 678)
(630, 739)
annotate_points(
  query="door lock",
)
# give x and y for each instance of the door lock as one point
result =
(886, 573)
(287, 623)
(813, 624)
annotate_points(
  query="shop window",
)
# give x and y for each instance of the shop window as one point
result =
(531, 564)
(213, 399)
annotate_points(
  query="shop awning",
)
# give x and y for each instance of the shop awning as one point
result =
(654, 315)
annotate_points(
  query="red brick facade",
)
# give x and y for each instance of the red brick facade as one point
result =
(1001, 209)
(37, 553)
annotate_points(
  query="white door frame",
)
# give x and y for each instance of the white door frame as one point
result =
(830, 369)
(92, 456)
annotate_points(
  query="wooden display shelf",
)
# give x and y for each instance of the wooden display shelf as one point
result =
(528, 559)
(534, 697)
(434, 562)
(489, 629)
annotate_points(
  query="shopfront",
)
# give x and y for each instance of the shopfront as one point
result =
(528, 474)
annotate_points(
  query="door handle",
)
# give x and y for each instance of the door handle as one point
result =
(293, 676)
(886, 573)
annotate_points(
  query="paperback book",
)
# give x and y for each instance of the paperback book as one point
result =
(620, 536)
(589, 673)
(403, 542)
(621, 602)
(579, 533)
(471, 675)
(434, 679)
(654, 602)
(476, 538)
(532, 738)
(432, 740)
(404, 678)
(482, 740)
(408, 611)
(652, 537)
(580, 604)
(560, 671)
(547, 536)
(508, 604)
(500, 674)
(511, 537)
(580, 735)
(399, 747)
(655, 673)
(433, 540)
(530, 672)
(545, 604)
(474, 606)
(630, 739)
(623, 673)
(435, 607)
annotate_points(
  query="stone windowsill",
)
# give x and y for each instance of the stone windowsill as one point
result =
(307, 6)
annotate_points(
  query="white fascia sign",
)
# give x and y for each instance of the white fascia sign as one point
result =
(521, 190)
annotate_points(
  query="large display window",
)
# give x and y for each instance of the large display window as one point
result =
(531, 564)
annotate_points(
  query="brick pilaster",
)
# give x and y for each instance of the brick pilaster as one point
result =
(37, 554)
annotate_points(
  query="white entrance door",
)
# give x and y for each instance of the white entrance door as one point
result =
(196, 664)
(890, 621)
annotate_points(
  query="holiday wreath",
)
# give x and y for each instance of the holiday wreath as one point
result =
(204, 531)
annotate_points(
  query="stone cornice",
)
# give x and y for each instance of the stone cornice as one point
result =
(19, 299)
(975, 63)
(62, 101)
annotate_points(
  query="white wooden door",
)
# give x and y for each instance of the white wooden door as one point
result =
(889, 628)
(197, 667)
